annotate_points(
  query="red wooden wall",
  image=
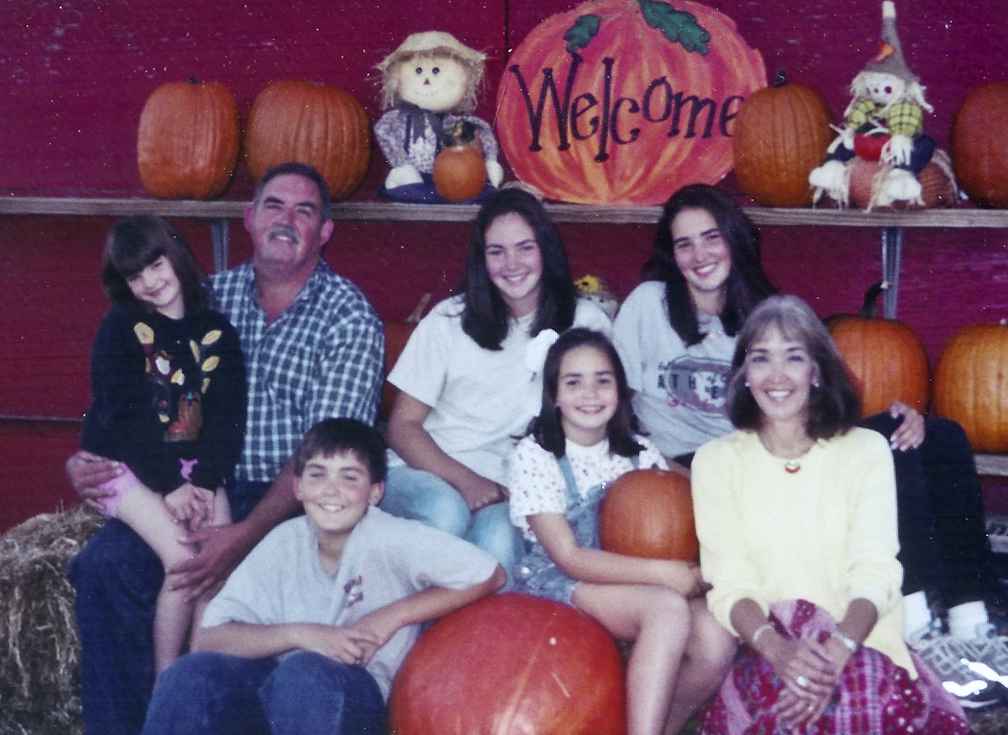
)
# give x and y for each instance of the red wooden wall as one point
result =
(74, 77)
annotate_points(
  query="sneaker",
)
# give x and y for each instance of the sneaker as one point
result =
(989, 654)
(949, 658)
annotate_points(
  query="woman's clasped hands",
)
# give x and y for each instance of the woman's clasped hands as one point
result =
(810, 671)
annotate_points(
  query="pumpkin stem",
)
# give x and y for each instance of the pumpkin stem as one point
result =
(781, 79)
(869, 307)
(193, 80)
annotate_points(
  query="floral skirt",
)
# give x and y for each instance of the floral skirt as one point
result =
(875, 696)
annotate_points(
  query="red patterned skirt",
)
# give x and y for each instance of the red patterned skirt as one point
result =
(874, 697)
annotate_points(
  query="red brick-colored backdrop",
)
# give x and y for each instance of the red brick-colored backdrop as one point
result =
(74, 77)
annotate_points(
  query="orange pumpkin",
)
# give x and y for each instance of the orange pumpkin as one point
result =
(971, 384)
(938, 186)
(511, 664)
(979, 144)
(459, 173)
(885, 358)
(781, 134)
(624, 101)
(649, 513)
(295, 120)
(397, 334)
(188, 140)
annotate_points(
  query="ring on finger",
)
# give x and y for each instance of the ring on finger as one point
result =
(802, 681)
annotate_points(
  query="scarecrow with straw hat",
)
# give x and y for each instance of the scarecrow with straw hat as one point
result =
(884, 121)
(429, 87)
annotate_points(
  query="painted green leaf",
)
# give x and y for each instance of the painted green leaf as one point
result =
(580, 34)
(677, 26)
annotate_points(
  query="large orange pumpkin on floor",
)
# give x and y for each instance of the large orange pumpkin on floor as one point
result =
(979, 144)
(624, 101)
(188, 140)
(649, 513)
(885, 358)
(326, 127)
(781, 134)
(971, 384)
(511, 664)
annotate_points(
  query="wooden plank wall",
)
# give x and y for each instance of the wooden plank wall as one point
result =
(74, 76)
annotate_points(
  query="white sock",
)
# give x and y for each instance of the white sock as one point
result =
(916, 613)
(965, 619)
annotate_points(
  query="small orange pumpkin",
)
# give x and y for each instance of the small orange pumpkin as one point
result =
(459, 169)
(885, 358)
(325, 127)
(938, 186)
(971, 384)
(781, 134)
(649, 513)
(397, 334)
(979, 144)
(188, 140)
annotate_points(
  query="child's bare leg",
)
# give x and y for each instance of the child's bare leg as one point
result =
(221, 517)
(708, 656)
(146, 513)
(221, 508)
(658, 621)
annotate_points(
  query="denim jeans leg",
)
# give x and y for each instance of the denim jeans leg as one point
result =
(422, 496)
(308, 693)
(492, 531)
(117, 578)
(210, 693)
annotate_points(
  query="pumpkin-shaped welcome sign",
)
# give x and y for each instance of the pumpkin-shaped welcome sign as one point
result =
(624, 101)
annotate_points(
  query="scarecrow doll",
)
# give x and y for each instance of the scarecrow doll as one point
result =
(884, 122)
(429, 87)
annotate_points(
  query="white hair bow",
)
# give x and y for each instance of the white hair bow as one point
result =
(535, 352)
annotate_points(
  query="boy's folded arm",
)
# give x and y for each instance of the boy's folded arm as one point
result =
(429, 604)
(253, 640)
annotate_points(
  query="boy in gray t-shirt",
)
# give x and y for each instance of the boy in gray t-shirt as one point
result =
(307, 633)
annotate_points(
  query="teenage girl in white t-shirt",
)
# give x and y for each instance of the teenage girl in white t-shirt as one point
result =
(465, 381)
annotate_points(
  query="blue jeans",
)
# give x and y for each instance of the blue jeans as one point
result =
(420, 495)
(304, 693)
(117, 578)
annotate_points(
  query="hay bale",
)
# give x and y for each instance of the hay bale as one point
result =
(39, 648)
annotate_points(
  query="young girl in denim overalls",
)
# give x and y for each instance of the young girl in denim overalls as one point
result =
(584, 438)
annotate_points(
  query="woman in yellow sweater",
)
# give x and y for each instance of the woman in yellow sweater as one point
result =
(796, 514)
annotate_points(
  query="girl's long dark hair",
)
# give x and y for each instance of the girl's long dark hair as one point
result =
(485, 315)
(547, 429)
(834, 406)
(747, 283)
(136, 242)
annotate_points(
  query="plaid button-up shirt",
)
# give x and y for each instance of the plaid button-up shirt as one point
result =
(321, 358)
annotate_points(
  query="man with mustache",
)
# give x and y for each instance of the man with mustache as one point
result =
(313, 349)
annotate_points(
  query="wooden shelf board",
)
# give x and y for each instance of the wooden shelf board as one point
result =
(964, 217)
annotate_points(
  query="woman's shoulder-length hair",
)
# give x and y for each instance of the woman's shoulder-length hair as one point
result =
(834, 403)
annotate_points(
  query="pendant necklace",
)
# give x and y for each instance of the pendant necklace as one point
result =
(793, 465)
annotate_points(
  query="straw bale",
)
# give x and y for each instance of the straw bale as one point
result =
(39, 648)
